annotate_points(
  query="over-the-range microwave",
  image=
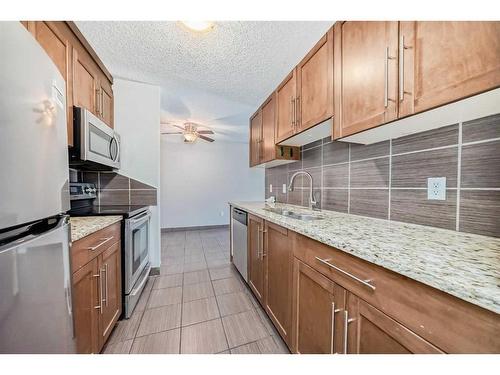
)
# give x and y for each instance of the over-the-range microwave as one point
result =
(95, 145)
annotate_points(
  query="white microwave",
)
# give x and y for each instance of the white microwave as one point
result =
(95, 145)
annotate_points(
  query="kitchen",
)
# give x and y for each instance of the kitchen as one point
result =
(343, 200)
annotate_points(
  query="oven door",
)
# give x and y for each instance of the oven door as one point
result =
(137, 242)
(100, 143)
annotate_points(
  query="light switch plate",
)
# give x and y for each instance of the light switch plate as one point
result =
(270, 188)
(284, 188)
(436, 188)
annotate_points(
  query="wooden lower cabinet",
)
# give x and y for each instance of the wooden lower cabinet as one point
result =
(278, 278)
(317, 304)
(110, 263)
(97, 291)
(255, 257)
(85, 293)
(370, 331)
(322, 300)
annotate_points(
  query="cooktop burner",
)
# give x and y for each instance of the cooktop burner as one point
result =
(126, 210)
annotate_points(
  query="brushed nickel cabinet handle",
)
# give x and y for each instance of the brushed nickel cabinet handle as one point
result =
(363, 282)
(401, 67)
(291, 112)
(332, 339)
(99, 276)
(106, 284)
(297, 112)
(346, 319)
(104, 240)
(98, 101)
(102, 104)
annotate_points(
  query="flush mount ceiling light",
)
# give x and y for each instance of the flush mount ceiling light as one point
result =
(190, 137)
(198, 25)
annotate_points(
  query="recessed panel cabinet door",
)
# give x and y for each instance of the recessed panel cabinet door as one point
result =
(370, 331)
(317, 307)
(446, 61)
(85, 91)
(110, 266)
(268, 127)
(314, 100)
(255, 138)
(86, 311)
(278, 261)
(106, 104)
(285, 96)
(366, 75)
(255, 257)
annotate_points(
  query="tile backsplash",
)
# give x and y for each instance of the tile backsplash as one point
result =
(388, 180)
(115, 189)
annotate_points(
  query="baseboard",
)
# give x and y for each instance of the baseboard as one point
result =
(177, 229)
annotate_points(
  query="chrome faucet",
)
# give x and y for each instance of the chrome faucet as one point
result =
(312, 202)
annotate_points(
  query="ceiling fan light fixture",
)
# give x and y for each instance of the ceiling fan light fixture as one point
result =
(190, 137)
(198, 25)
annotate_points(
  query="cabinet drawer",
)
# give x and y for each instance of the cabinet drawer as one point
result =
(87, 248)
(451, 324)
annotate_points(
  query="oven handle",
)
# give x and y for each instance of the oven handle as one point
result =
(140, 219)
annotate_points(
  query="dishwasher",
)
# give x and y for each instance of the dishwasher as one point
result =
(239, 241)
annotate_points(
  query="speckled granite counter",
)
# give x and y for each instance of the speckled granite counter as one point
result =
(464, 265)
(83, 226)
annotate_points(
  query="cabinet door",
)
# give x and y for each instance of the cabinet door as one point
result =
(314, 100)
(86, 92)
(268, 127)
(370, 331)
(85, 294)
(106, 105)
(446, 61)
(110, 267)
(255, 257)
(53, 38)
(366, 75)
(317, 306)
(285, 96)
(255, 138)
(278, 261)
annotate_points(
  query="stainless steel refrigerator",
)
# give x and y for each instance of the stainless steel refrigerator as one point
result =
(35, 277)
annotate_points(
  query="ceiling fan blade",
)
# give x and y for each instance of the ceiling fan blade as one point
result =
(205, 138)
(205, 132)
(172, 133)
(178, 126)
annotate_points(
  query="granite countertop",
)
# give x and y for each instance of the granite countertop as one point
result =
(85, 225)
(464, 265)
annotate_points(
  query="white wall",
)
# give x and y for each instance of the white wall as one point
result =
(137, 120)
(198, 180)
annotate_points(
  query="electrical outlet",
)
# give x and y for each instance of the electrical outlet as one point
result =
(284, 188)
(270, 188)
(436, 188)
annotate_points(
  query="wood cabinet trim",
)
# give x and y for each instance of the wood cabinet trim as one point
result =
(88, 47)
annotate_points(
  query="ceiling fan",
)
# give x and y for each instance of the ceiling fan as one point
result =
(190, 131)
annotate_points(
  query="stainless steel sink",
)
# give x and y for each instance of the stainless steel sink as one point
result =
(293, 215)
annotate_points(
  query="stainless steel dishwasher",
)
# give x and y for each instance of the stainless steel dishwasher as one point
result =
(239, 241)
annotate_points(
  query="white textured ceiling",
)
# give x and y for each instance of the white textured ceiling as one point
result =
(217, 77)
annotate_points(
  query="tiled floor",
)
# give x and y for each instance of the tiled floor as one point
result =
(198, 304)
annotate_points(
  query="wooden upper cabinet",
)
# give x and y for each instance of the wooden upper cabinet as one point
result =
(85, 88)
(107, 102)
(255, 138)
(111, 283)
(370, 331)
(317, 307)
(278, 260)
(85, 295)
(255, 256)
(365, 74)
(285, 98)
(268, 127)
(446, 61)
(314, 101)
